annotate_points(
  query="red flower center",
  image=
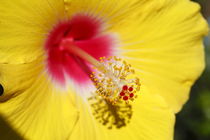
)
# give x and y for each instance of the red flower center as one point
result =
(84, 32)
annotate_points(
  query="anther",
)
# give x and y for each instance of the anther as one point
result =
(125, 87)
(125, 98)
(122, 93)
(131, 95)
(130, 89)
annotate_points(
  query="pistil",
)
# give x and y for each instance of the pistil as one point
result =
(113, 78)
(68, 45)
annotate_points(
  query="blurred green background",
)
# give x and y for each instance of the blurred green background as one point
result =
(193, 122)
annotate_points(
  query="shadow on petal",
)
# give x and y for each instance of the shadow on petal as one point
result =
(112, 116)
(7, 132)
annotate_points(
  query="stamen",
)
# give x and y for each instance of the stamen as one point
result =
(114, 79)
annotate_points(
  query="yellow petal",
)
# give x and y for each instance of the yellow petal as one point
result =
(33, 106)
(151, 119)
(24, 26)
(165, 46)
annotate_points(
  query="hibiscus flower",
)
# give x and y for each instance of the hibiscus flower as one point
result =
(73, 69)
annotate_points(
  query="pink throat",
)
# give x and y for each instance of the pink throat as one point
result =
(84, 32)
